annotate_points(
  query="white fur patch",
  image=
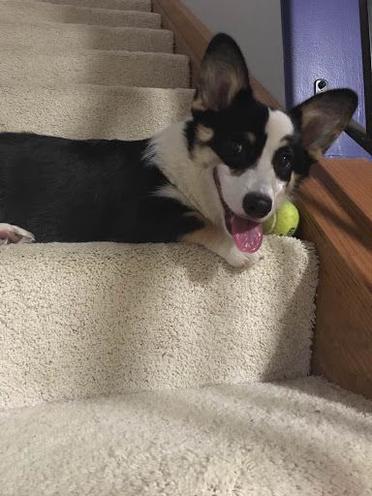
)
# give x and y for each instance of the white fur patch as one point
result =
(261, 178)
(191, 183)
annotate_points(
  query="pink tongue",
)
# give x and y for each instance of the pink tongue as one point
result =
(247, 235)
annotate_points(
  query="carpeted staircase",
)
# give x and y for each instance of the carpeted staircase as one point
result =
(151, 370)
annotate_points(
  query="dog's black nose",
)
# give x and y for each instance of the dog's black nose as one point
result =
(257, 205)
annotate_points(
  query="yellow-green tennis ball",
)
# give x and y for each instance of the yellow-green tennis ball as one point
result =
(269, 224)
(287, 220)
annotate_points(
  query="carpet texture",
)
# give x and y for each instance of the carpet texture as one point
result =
(66, 37)
(89, 111)
(83, 320)
(144, 5)
(301, 438)
(158, 70)
(17, 11)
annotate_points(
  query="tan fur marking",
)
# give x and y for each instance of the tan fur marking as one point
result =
(206, 236)
(204, 134)
(251, 138)
(198, 105)
(293, 183)
(316, 153)
(204, 156)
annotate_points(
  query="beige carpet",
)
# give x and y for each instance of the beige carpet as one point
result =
(17, 11)
(159, 70)
(88, 111)
(66, 37)
(144, 5)
(301, 438)
(94, 320)
(83, 320)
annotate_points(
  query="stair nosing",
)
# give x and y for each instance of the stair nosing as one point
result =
(90, 52)
(71, 4)
(100, 88)
(97, 10)
(87, 26)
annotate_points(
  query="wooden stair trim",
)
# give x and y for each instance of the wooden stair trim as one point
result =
(344, 222)
(336, 210)
(342, 348)
(344, 176)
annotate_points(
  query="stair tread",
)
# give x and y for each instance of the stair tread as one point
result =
(92, 111)
(303, 437)
(94, 66)
(144, 5)
(39, 35)
(93, 318)
(14, 11)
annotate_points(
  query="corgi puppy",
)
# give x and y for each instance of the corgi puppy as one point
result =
(212, 179)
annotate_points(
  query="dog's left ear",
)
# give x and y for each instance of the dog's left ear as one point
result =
(223, 75)
(323, 117)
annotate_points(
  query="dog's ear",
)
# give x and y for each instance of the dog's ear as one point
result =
(323, 117)
(223, 75)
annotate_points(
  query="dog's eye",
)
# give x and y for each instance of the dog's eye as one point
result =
(235, 148)
(283, 163)
(284, 159)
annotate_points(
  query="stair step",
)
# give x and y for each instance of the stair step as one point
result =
(17, 11)
(70, 36)
(94, 67)
(300, 438)
(144, 5)
(89, 111)
(89, 319)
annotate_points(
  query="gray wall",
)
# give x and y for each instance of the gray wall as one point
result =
(256, 25)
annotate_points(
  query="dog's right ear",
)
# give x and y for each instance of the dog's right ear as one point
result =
(223, 75)
(323, 117)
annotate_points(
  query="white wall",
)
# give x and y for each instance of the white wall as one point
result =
(257, 27)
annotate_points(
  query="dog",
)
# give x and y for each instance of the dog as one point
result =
(212, 179)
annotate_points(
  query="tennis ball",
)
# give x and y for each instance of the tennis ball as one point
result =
(284, 222)
(269, 224)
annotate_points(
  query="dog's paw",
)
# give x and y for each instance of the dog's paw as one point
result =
(241, 260)
(14, 234)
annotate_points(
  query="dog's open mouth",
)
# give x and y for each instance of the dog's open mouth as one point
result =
(247, 234)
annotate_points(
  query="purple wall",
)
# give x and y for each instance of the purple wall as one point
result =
(322, 40)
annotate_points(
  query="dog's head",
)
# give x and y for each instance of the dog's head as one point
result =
(258, 153)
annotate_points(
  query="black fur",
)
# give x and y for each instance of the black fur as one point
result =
(94, 190)
(231, 127)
